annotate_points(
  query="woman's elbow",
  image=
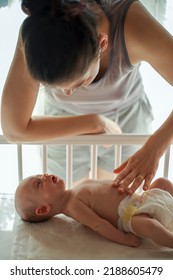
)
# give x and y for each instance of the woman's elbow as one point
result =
(13, 136)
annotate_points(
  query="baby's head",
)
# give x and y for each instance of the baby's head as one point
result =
(37, 198)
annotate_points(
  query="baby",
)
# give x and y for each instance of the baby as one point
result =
(97, 204)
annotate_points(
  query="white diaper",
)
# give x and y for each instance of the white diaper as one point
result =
(156, 203)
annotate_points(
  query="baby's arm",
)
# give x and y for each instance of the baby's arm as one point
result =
(85, 215)
(147, 227)
(163, 184)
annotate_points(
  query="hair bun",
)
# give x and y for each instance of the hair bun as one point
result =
(68, 8)
(64, 8)
(31, 7)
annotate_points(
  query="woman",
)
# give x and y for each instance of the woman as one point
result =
(90, 51)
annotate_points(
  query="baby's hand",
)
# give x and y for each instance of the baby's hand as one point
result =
(133, 240)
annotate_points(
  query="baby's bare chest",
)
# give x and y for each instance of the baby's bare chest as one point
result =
(104, 201)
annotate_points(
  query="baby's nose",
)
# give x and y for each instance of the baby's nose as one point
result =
(45, 176)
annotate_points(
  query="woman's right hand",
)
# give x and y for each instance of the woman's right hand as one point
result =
(107, 126)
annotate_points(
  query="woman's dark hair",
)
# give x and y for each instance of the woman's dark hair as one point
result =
(60, 38)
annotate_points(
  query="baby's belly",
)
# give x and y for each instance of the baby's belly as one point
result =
(108, 208)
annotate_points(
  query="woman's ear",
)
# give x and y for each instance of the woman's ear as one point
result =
(103, 41)
(43, 210)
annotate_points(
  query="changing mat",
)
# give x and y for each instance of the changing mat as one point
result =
(62, 238)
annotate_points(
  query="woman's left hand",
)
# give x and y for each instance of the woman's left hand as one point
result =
(139, 168)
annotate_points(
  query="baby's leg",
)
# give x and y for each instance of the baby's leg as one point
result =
(163, 184)
(147, 227)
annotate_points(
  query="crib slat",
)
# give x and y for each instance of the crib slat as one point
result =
(20, 162)
(94, 152)
(118, 153)
(69, 166)
(44, 160)
(166, 163)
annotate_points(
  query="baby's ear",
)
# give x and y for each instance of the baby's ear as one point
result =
(42, 210)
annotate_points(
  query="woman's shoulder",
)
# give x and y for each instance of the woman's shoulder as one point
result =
(139, 29)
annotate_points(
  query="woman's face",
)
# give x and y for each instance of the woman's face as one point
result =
(69, 87)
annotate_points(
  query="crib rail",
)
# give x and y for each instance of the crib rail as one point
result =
(93, 140)
(119, 139)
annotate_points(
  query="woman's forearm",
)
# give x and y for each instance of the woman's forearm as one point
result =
(162, 137)
(43, 128)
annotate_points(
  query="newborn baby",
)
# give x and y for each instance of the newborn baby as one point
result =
(97, 204)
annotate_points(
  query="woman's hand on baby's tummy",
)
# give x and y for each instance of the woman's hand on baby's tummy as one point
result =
(132, 240)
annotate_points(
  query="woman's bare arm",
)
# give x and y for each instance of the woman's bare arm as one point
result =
(147, 40)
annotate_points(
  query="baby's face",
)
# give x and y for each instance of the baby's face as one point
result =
(44, 188)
